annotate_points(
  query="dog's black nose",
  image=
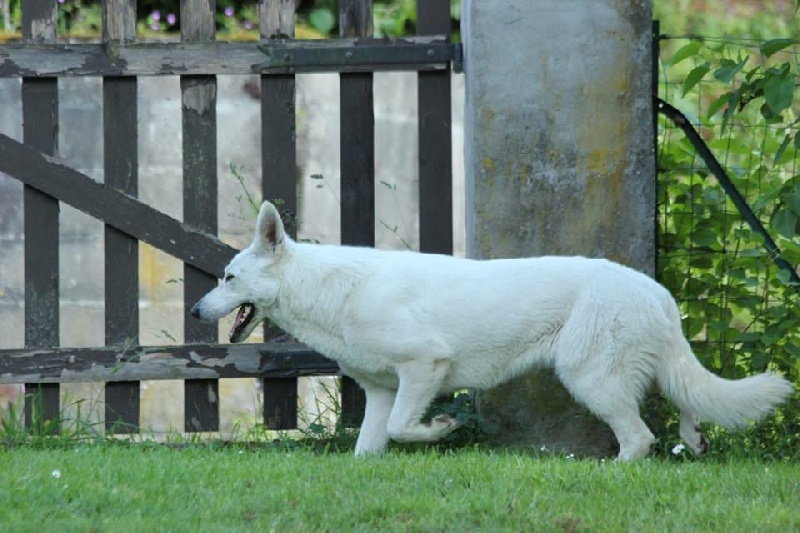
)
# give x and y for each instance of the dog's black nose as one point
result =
(195, 310)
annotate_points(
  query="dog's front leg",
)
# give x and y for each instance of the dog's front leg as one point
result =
(420, 382)
(373, 436)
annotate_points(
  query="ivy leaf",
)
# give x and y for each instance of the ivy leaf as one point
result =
(685, 52)
(776, 45)
(733, 101)
(705, 236)
(749, 336)
(792, 199)
(717, 104)
(779, 92)
(784, 221)
(782, 148)
(694, 77)
(784, 276)
(729, 68)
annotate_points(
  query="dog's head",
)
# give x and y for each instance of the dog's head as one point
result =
(250, 283)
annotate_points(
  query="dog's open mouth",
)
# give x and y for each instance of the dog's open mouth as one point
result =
(244, 316)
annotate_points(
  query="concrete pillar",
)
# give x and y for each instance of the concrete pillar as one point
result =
(559, 161)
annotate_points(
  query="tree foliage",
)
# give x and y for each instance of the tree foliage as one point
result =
(740, 310)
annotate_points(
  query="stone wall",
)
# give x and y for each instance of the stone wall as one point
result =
(559, 161)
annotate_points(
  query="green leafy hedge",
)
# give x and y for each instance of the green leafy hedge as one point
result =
(740, 311)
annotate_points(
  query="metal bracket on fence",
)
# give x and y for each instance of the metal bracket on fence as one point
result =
(358, 55)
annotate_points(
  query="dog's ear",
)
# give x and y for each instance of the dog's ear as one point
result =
(269, 228)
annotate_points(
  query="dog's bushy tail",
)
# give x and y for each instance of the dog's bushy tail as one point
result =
(729, 403)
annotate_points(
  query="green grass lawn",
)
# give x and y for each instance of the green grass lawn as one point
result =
(154, 488)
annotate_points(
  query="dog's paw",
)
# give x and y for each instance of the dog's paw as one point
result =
(701, 446)
(445, 423)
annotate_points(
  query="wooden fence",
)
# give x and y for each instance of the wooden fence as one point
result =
(198, 59)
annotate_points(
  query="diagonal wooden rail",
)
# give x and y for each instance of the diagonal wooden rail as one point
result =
(113, 207)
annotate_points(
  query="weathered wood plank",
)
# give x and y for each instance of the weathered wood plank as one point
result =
(276, 19)
(119, 22)
(353, 403)
(170, 59)
(355, 18)
(113, 207)
(357, 149)
(278, 146)
(121, 172)
(280, 403)
(279, 185)
(357, 135)
(435, 140)
(197, 20)
(39, 21)
(199, 124)
(200, 187)
(42, 408)
(120, 169)
(278, 136)
(40, 211)
(201, 405)
(122, 407)
(190, 361)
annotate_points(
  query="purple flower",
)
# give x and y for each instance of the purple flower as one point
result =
(155, 26)
(61, 1)
(171, 19)
(228, 11)
(248, 25)
(156, 15)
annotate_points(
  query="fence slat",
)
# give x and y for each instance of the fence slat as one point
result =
(123, 407)
(42, 408)
(353, 403)
(280, 403)
(40, 131)
(279, 182)
(121, 172)
(199, 111)
(278, 147)
(435, 140)
(357, 149)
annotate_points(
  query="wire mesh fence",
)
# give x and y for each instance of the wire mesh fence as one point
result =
(740, 309)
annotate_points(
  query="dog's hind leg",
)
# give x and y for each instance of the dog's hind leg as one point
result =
(420, 382)
(690, 432)
(610, 400)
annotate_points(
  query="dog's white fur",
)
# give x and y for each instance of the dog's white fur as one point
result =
(409, 326)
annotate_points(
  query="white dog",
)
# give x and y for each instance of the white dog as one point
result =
(409, 326)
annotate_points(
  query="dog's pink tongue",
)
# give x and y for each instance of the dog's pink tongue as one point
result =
(239, 320)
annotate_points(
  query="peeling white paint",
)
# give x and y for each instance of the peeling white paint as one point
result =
(200, 97)
(43, 30)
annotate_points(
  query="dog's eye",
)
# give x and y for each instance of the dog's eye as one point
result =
(229, 277)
